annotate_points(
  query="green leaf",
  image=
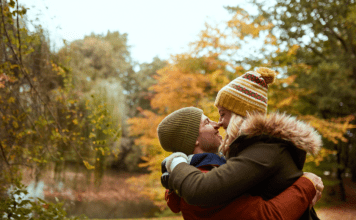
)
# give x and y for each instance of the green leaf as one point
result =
(12, 3)
(24, 202)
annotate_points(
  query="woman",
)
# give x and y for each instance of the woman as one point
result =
(265, 154)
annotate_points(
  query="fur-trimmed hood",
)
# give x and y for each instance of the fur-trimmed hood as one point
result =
(282, 126)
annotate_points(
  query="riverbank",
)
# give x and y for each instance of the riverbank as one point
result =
(114, 198)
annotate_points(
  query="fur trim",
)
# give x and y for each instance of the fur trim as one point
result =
(285, 127)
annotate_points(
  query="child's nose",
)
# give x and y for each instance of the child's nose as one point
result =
(216, 125)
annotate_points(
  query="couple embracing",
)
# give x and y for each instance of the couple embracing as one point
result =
(254, 173)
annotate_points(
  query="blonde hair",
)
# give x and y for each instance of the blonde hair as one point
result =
(232, 132)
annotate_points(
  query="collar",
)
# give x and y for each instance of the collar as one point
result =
(204, 159)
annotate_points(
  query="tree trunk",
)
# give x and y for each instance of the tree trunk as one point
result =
(339, 176)
(353, 173)
(125, 149)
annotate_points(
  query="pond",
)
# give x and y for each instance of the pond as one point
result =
(107, 209)
(110, 209)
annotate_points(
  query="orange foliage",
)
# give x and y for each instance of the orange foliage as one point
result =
(242, 25)
(323, 153)
(173, 84)
(332, 129)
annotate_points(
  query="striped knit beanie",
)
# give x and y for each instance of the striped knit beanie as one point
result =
(179, 131)
(247, 93)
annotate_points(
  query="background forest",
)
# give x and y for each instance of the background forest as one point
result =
(78, 124)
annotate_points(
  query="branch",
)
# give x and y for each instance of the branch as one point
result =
(30, 120)
(18, 31)
(339, 38)
(7, 35)
(331, 30)
(2, 42)
(20, 164)
(3, 154)
(316, 52)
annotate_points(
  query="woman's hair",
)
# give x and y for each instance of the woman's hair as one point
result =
(232, 132)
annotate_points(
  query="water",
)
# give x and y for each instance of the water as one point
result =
(95, 209)
(36, 191)
(111, 209)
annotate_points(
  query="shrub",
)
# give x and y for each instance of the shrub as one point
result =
(19, 206)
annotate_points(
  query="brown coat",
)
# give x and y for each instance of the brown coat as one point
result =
(265, 159)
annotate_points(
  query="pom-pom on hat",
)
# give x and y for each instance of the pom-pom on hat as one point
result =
(247, 93)
(179, 131)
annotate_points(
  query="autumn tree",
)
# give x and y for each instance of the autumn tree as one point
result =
(42, 116)
(139, 98)
(95, 64)
(102, 62)
(316, 49)
(28, 118)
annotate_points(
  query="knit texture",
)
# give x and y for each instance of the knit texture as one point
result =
(247, 93)
(179, 131)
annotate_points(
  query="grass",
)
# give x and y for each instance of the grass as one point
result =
(163, 218)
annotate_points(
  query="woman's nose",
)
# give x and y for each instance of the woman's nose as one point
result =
(219, 124)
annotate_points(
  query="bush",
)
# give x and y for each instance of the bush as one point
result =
(19, 206)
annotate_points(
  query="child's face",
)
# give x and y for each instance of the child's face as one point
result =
(225, 116)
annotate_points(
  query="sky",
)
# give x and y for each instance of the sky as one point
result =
(154, 27)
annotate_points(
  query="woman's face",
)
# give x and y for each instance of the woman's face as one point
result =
(225, 116)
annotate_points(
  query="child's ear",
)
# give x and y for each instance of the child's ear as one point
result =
(196, 143)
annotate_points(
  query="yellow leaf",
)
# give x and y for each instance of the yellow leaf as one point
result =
(293, 50)
(91, 135)
(15, 124)
(14, 66)
(102, 151)
(87, 165)
(11, 100)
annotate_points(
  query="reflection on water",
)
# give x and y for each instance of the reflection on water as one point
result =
(94, 209)
(107, 209)
(36, 190)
